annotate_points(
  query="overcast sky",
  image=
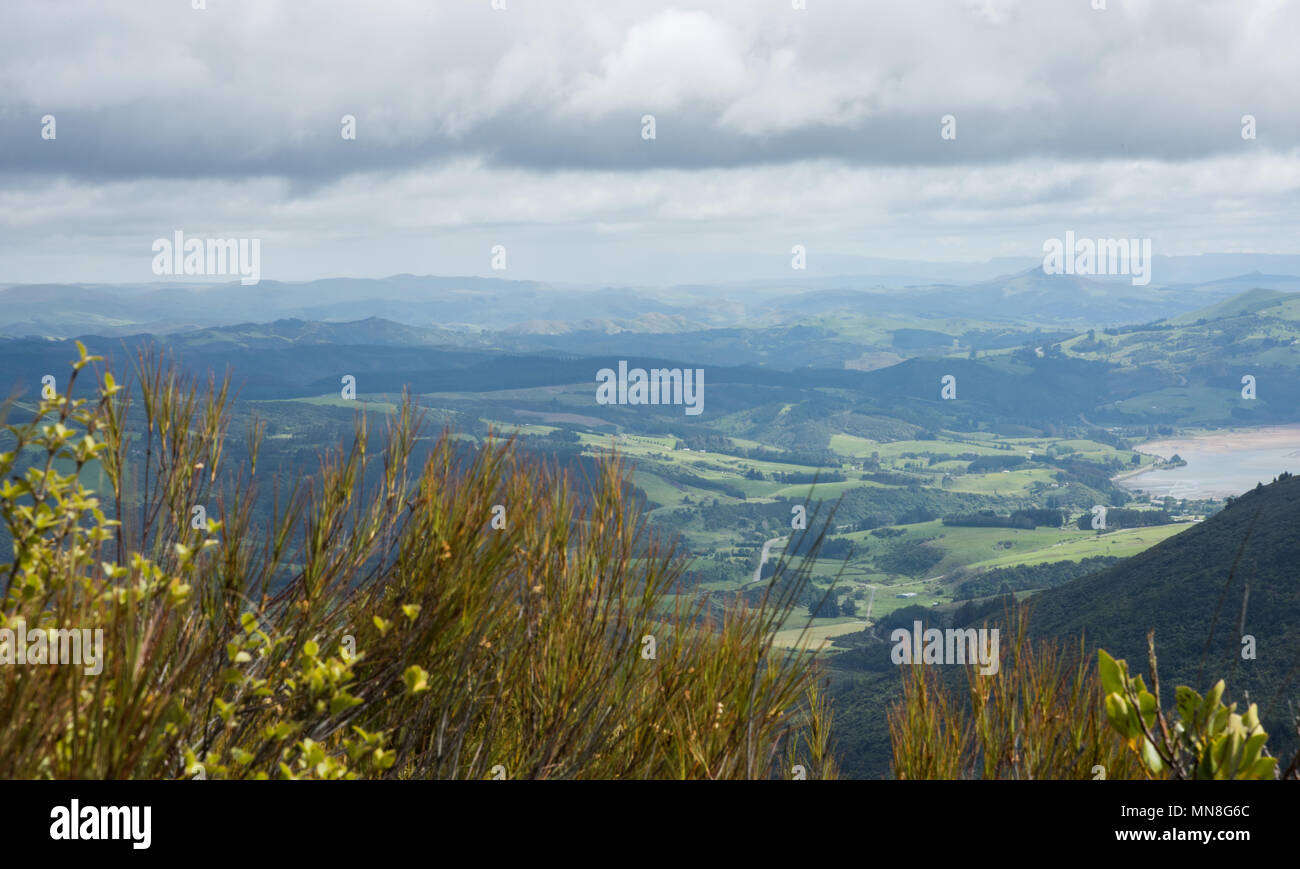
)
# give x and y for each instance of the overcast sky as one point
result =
(523, 127)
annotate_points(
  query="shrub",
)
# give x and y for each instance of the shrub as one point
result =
(1048, 713)
(1039, 716)
(376, 625)
(1205, 740)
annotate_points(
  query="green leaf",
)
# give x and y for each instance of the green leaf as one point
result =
(1219, 719)
(1188, 704)
(1205, 767)
(1147, 705)
(1250, 753)
(416, 679)
(1151, 757)
(1111, 681)
(1263, 768)
(1211, 701)
(341, 702)
(1232, 752)
(1117, 711)
(279, 731)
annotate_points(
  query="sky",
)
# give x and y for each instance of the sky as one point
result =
(525, 127)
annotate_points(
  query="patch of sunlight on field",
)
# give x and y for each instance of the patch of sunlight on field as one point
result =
(966, 544)
(799, 491)
(852, 445)
(1009, 483)
(1121, 544)
(340, 401)
(886, 601)
(505, 429)
(895, 449)
(818, 635)
(660, 491)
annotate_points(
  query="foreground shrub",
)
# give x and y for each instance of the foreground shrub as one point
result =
(378, 624)
(1048, 713)
(1038, 717)
(1203, 739)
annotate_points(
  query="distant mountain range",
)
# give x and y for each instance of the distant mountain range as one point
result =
(1177, 372)
(471, 304)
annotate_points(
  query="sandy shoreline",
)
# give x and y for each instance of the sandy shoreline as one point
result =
(1217, 463)
(1266, 437)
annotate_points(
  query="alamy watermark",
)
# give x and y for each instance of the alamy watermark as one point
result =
(953, 646)
(657, 386)
(91, 823)
(213, 256)
(1102, 256)
(67, 646)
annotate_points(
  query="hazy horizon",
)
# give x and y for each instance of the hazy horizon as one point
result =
(729, 272)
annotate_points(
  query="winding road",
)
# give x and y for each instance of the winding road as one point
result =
(762, 559)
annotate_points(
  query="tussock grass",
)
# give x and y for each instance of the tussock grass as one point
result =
(377, 624)
(1040, 716)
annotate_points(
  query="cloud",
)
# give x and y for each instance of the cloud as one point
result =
(155, 88)
(668, 61)
(443, 218)
(526, 121)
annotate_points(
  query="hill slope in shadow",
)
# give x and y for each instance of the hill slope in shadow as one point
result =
(1187, 589)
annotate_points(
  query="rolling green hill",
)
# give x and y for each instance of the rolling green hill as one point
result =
(1185, 589)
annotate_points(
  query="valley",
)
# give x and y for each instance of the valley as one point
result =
(963, 467)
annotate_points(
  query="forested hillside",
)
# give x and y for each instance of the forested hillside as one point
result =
(1187, 589)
